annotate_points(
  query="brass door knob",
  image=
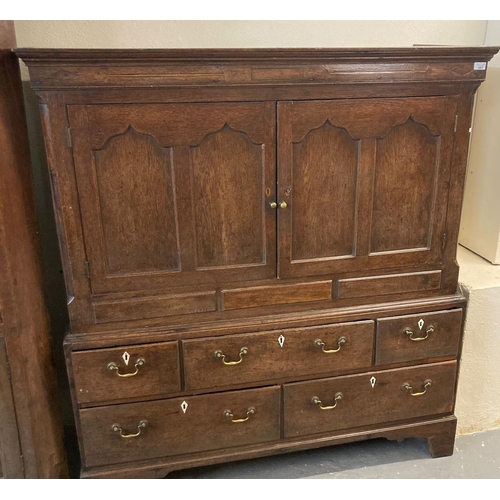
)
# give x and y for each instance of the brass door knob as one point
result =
(273, 204)
(283, 204)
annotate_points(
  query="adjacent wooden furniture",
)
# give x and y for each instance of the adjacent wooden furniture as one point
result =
(31, 433)
(258, 245)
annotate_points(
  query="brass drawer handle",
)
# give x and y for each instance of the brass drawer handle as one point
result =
(113, 367)
(316, 401)
(220, 355)
(407, 387)
(340, 342)
(229, 414)
(408, 332)
(141, 425)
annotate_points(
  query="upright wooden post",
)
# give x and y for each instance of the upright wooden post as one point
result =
(31, 437)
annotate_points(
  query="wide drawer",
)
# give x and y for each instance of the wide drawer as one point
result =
(359, 400)
(126, 372)
(137, 431)
(253, 357)
(418, 336)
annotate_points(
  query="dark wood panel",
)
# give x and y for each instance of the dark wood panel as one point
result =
(24, 318)
(243, 298)
(368, 399)
(7, 35)
(137, 205)
(157, 373)
(387, 285)
(420, 336)
(272, 355)
(372, 118)
(457, 182)
(154, 307)
(228, 196)
(399, 178)
(405, 188)
(177, 125)
(191, 182)
(173, 431)
(252, 93)
(324, 194)
(11, 461)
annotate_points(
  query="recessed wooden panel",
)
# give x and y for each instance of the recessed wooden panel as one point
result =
(432, 335)
(171, 431)
(368, 399)
(158, 375)
(388, 207)
(405, 187)
(324, 193)
(137, 205)
(107, 311)
(386, 285)
(175, 194)
(243, 298)
(228, 173)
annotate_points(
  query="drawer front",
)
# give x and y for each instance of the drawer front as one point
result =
(180, 426)
(371, 398)
(419, 336)
(126, 372)
(277, 354)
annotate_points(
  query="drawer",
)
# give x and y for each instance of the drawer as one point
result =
(254, 357)
(180, 426)
(359, 400)
(136, 371)
(419, 336)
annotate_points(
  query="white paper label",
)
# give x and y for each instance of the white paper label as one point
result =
(481, 66)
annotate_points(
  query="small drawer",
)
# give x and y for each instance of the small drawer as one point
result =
(126, 372)
(138, 431)
(419, 336)
(333, 404)
(254, 357)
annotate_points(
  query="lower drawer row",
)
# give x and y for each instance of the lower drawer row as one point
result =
(178, 426)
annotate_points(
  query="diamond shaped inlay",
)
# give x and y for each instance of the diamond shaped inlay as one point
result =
(184, 406)
(372, 382)
(126, 357)
(281, 340)
(421, 324)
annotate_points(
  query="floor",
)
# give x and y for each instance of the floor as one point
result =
(477, 456)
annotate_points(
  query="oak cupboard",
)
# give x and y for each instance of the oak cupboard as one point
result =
(258, 246)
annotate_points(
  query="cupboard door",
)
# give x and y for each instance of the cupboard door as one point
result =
(176, 194)
(365, 183)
